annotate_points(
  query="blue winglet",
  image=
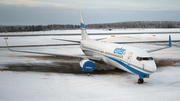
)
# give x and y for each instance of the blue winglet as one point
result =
(170, 41)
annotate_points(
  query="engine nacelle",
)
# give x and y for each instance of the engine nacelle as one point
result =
(87, 65)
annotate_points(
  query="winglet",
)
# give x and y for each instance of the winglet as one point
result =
(7, 43)
(170, 41)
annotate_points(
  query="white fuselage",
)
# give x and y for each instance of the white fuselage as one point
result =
(128, 58)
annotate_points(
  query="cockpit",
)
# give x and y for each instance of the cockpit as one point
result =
(144, 58)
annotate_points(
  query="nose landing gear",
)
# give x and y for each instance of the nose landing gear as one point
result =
(140, 81)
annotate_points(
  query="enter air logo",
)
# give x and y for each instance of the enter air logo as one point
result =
(119, 50)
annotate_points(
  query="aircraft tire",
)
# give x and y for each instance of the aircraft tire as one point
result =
(140, 81)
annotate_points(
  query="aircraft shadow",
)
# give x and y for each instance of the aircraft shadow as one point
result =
(72, 66)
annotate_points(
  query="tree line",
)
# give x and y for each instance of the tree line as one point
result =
(37, 28)
(137, 24)
(131, 24)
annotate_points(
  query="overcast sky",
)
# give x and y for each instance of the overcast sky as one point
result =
(43, 12)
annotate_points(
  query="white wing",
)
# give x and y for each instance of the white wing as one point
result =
(149, 51)
(73, 56)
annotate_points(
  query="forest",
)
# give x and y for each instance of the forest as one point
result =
(118, 25)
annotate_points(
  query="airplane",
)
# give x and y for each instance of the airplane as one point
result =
(122, 56)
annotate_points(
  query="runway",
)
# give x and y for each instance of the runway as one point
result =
(76, 34)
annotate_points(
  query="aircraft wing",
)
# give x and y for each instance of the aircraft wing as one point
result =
(136, 39)
(123, 40)
(128, 42)
(39, 45)
(73, 56)
(149, 51)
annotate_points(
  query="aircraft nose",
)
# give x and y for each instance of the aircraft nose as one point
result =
(151, 66)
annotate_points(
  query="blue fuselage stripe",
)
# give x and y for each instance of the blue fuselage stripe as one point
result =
(125, 65)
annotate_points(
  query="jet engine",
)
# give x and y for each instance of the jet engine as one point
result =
(87, 65)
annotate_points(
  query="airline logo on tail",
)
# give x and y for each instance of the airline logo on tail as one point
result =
(82, 25)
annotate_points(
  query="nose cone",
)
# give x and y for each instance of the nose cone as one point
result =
(150, 65)
(153, 67)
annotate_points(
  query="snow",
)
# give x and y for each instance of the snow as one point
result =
(20, 86)
(163, 85)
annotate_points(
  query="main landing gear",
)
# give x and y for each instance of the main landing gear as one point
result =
(140, 81)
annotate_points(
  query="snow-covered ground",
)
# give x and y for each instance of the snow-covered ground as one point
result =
(163, 85)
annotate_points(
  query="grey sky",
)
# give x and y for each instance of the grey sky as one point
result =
(28, 12)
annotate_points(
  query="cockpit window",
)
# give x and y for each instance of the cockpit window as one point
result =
(144, 58)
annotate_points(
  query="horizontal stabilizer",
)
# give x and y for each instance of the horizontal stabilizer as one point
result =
(100, 39)
(67, 40)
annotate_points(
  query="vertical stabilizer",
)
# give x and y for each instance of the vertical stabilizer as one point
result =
(83, 29)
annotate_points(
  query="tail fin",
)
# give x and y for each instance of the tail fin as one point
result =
(83, 29)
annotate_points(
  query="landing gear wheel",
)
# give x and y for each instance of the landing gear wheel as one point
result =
(140, 81)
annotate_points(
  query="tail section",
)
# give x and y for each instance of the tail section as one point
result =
(83, 29)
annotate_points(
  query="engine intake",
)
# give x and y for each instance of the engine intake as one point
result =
(87, 65)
